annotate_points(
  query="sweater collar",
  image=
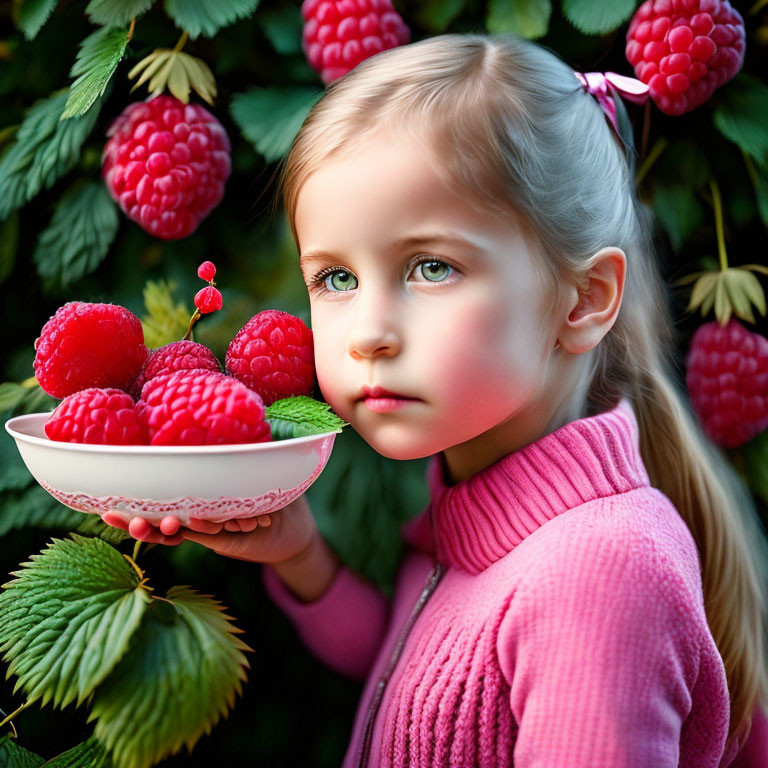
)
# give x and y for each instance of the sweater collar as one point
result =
(474, 523)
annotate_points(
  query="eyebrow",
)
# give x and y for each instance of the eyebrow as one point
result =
(318, 255)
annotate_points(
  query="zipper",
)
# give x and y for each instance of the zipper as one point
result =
(429, 587)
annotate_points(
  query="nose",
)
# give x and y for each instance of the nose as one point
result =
(373, 331)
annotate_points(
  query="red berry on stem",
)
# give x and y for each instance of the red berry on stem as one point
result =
(727, 378)
(685, 50)
(273, 353)
(96, 415)
(86, 345)
(337, 36)
(206, 271)
(166, 164)
(208, 299)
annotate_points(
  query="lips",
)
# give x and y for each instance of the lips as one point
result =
(380, 392)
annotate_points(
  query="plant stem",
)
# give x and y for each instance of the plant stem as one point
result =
(182, 42)
(196, 315)
(136, 550)
(653, 155)
(131, 28)
(13, 714)
(757, 6)
(719, 224)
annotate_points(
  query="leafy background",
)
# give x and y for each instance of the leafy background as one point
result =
(62, 238)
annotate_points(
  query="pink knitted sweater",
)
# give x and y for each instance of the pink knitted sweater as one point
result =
(548, 614)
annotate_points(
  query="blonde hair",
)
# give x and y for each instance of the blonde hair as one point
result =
(518, 133)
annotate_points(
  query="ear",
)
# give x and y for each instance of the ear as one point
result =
(596, 307)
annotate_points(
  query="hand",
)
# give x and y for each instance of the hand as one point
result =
(275, 537)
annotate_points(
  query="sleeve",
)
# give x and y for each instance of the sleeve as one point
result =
(754, 752)
(600, 645)
(344, 628)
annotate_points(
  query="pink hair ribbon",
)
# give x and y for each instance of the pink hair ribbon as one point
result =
(604, 86)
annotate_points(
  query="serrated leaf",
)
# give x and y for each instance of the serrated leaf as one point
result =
(207, 17)
(181, 674)
(270, 118)
(436, 15)
(164, 321)
(116, 12)
(76, 241)
(742, 115)
(300, 416)
(13, 755)
(679, 212)
(96, 62)
(67, 619)
(527, 18)
(90, 754)
(596, 17)
(44, 150)
(32, 14)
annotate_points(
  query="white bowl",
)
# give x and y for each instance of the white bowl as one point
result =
(213, 482)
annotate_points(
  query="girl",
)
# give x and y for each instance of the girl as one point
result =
(585, 586)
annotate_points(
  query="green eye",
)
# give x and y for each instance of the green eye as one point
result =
(435, 271)
(342, 280)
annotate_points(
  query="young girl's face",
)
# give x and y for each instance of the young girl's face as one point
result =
(456, 328)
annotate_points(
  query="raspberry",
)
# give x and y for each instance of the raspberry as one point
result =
(684, 49)
(201, 408)
(337, 36)
(89, 345)
(166, 164)
(176, 356)
(95, 415)
(727, 378)
(206, 271)
(208, 299)
(273, 354)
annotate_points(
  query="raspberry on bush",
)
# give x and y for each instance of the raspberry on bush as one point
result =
(89, 345)
(166, 164)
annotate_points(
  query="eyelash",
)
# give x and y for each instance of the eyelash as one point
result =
(317, 282)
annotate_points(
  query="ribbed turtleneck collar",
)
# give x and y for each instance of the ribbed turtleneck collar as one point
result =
(474, 523)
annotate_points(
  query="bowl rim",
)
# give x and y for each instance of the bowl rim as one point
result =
(12, 427)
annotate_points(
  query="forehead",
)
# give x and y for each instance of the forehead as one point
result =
(387, 187)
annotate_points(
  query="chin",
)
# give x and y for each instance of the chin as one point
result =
(394, 444)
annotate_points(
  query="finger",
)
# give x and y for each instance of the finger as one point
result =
(110, 518)
(140, 529)
(264, 520)
(232, 525)
(169, 525)
(203, 526)
(249, 524)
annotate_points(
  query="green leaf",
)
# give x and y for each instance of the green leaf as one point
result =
(679, 212)
(14, 756)
(78, 238)
(178, 678)
(26, 396)
(270, 118)
(90, 754)
(207, 17)
(116, 12)
(67, 619)
(283, 27)
(742, 115)
(596, 17)
(300, 416)
(165, 321)
(96, 62)
(527, 18)
(9, 238)
(32, 14)
(436, 15)
(33, 507)
(44, 150)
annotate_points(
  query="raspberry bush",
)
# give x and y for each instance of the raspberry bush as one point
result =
(138, 141)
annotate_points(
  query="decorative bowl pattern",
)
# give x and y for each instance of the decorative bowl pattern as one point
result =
(213, 482)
